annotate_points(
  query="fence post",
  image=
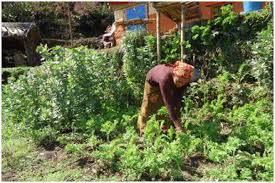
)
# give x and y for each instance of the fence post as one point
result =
(158, 35)
(182, 31)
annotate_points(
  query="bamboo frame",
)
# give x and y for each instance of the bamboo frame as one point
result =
(158, 36)
(182, 31)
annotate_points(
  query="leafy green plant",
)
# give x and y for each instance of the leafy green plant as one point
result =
(72, 86)
(13, 73)
(132, 163)
(170, 48)
(262, 57)
(138, 59)
(74, 148)
(88, 102)
(108, 127)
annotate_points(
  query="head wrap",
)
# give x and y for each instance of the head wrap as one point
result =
(183, 70)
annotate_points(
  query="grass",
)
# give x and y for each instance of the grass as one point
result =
(22, 160)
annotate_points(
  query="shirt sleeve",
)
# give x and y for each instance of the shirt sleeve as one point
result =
(171, 100)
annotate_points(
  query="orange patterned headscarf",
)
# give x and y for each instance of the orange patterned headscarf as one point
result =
(183, 70)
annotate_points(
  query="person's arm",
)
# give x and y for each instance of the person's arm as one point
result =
(172, 102)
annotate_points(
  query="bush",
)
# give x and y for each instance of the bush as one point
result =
(87, 101)
(224, 43)
(13, 73)
(138, 59)
(233, 132)
(262, 57)
(72, 86)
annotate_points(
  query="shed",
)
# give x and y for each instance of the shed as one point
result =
(170, 15)
(161, 17)
(19, 42)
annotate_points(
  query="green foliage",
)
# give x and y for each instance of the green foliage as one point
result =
(224, 42)
(16, 153)
(52, 17)
(72, 86)
(74, 148)
(16, 12)
(98, 15)
(138, 58)
(13, 73)
(256, 124)
(262, 57)
(160, 157)
(238, 134)
(108, 127)
(87, 101)
(132, 163)
(170, 48)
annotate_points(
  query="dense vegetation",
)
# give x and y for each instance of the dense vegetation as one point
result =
(87, 102)
(58, 19)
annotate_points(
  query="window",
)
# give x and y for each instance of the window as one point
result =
(137, 12)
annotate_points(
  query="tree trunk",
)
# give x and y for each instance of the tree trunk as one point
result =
(70, 24)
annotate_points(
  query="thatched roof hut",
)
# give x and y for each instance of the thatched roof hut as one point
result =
(20, 39)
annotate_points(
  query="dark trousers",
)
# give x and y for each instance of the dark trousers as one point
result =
(152, 102)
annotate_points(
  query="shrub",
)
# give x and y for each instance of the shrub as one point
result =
(262, 57)
(13, 73)
(138, 59)
(224, 42)
(72, 86)
(93, 97)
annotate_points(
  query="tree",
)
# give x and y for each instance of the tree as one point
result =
(17, 12)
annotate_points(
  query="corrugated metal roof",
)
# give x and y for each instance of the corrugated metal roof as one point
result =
(19, 29)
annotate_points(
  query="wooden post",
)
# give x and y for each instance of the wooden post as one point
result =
(182, 31)
(70, 24)
(158, 35)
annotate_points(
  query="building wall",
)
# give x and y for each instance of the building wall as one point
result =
(119, 15)
(151, 9)
(166, 24)
(120, 29)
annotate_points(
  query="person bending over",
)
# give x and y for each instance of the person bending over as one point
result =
(164, 85)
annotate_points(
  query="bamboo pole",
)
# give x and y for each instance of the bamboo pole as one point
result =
(182, 31)
(158, 35)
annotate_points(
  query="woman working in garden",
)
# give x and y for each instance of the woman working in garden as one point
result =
(164, 85)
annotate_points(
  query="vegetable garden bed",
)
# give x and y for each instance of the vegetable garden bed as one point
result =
(76, 114)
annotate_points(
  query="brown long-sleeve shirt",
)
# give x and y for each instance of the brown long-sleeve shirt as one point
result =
(161, 76)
